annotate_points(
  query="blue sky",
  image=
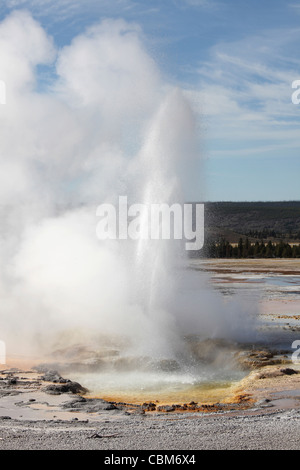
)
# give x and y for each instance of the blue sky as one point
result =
(235, 59)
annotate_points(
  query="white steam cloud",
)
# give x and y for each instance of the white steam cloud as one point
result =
(65, 150)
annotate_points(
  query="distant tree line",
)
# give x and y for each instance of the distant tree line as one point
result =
(245, 249)
(271, 233)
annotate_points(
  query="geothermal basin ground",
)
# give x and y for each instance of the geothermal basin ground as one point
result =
(253, 405)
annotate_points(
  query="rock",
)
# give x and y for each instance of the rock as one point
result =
(12, 381)
(166, 408)
(53, 376)
(77, 402)
(266, 374)
(264, 403)
(148, 406)
(257, 358)
(69, 387)
(89, 405)
(61, 380)
(111, 406)
(288, 371)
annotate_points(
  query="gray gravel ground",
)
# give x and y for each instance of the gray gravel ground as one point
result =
(267, 430)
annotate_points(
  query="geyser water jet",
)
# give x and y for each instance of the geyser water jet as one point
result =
(156, 262)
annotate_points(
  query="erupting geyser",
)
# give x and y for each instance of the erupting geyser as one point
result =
(106, 305)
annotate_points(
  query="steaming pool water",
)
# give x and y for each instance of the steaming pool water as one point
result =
(208, 381)
(179, 388)
(213, 377)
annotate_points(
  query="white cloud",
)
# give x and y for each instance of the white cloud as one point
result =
(196, 3)
(295, 7)
(245, 93)
(24, 45)
(108, 66)
(60, 10)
